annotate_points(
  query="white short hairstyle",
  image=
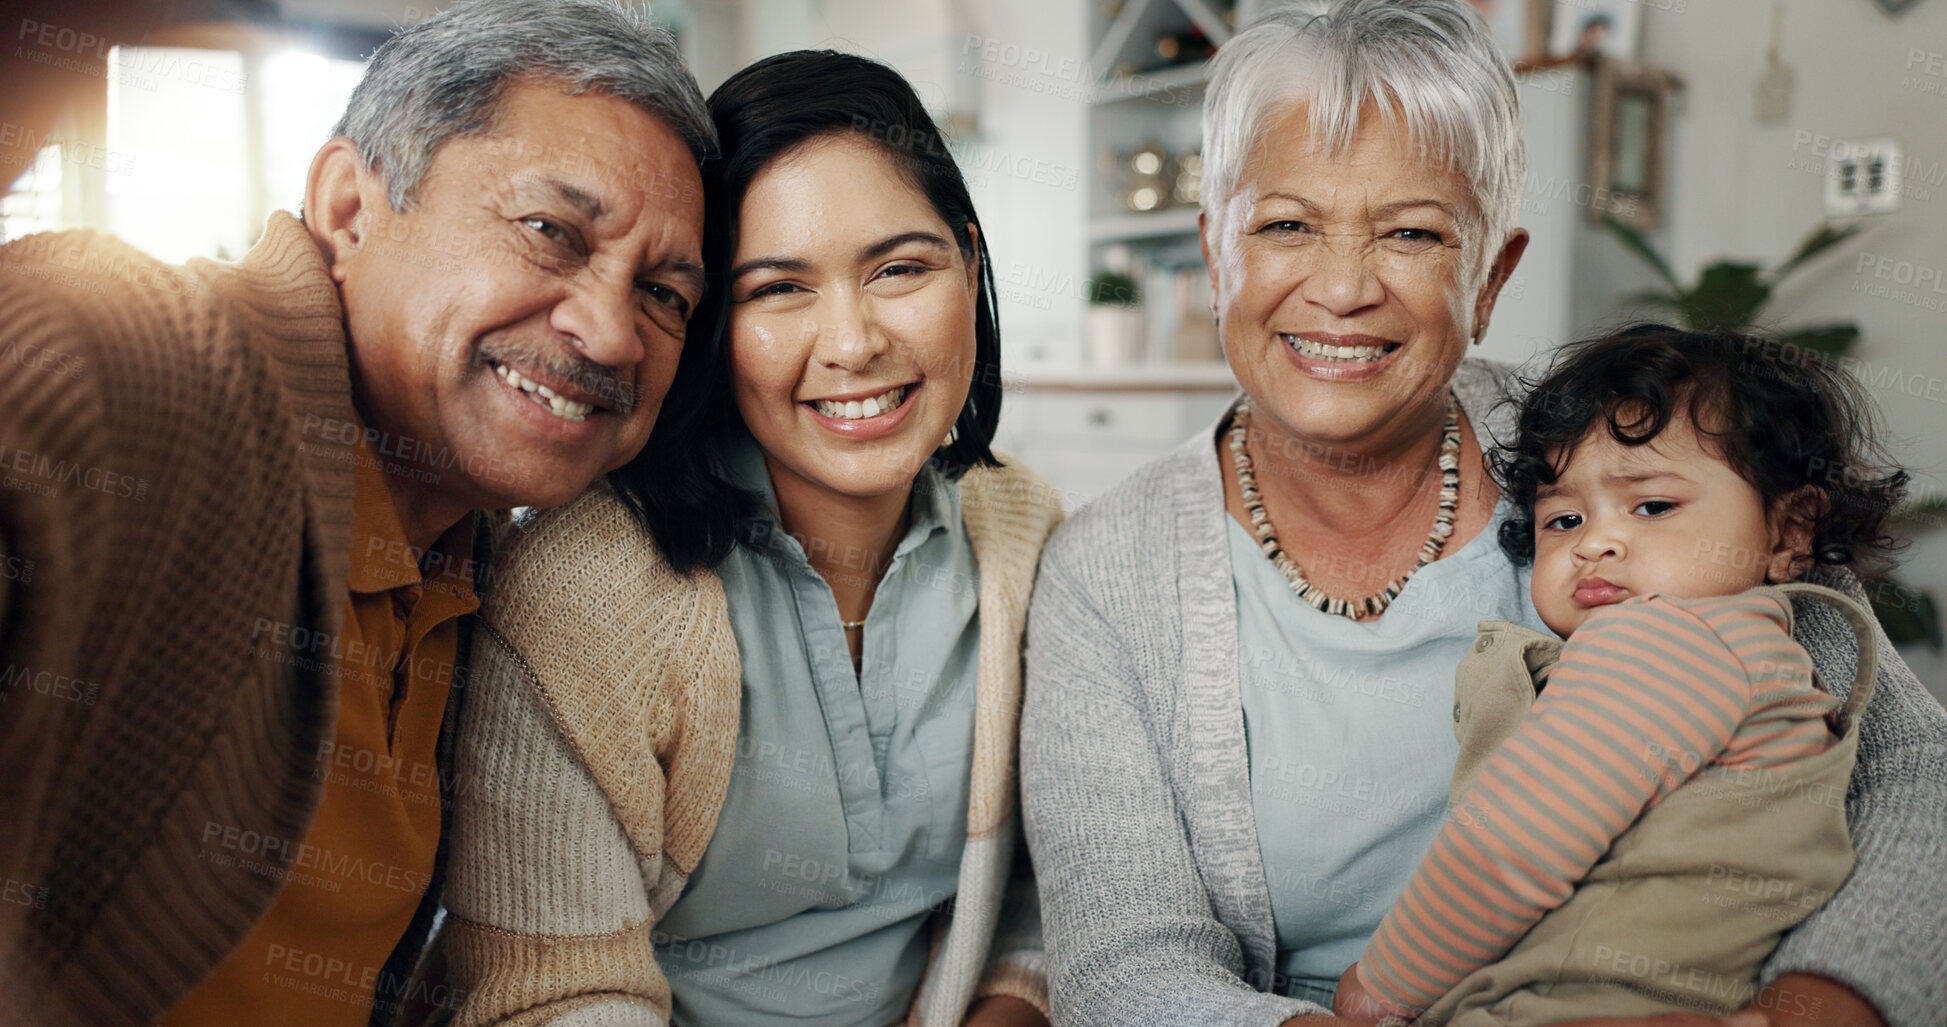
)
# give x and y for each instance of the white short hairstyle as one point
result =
(1434, 64)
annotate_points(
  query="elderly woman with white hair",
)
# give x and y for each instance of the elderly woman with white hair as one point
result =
(1237, 741)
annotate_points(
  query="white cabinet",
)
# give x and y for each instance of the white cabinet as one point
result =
(1085, 431)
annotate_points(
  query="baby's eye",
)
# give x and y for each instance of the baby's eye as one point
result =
(1654, 507)
(1562, 522)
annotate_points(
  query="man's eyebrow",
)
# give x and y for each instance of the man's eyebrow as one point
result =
(689, 271)
(893, 242)
(582, 200)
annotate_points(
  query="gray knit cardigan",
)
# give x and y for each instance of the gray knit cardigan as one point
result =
(1138, 801)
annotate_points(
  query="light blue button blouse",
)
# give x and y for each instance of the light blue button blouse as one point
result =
(845, 818)
(1349, 728)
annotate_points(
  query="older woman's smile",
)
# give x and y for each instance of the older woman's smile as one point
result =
(1337, 268)
(1339, 358)
(1339, 348)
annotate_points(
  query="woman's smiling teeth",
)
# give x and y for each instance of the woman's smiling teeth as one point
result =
(1340, 354)
(560, 406)
(852, 410)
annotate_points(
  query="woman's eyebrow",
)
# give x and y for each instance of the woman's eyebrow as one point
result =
(1386, 210)
(893, 242)
(1292, 197)
(798, 265)
(793, 265)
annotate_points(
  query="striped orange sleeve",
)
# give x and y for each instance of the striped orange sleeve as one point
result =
(1646, 694)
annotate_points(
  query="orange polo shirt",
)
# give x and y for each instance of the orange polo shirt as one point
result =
(316, 956)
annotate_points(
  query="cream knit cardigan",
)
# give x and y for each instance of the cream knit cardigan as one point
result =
(598, 737)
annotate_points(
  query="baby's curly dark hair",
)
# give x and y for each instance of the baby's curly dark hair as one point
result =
(1783, 417)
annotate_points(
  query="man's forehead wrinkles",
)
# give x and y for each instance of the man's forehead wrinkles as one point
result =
(590, 197)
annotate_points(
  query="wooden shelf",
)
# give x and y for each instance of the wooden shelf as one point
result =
(1156, 224)
(1202, 376)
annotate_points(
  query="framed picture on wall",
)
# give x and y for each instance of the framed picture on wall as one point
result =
(1595, 28)
(1627, 141)
(1520, 26)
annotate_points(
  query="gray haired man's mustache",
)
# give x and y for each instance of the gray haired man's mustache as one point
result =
(581, 372)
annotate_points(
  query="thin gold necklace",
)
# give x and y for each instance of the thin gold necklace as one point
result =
(1267, 536)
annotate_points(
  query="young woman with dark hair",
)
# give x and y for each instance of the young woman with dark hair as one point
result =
(742, 726)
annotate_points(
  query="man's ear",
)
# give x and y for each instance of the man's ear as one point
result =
(334, 203)
(1789, 523)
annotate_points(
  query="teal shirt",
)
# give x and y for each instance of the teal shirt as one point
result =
(1349, 731)
(846, 814)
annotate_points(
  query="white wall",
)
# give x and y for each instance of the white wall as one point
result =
(1001, 64)
(1739, 188)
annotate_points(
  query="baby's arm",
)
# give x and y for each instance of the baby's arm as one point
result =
(1644, 696)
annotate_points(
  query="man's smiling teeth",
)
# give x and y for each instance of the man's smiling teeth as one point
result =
(1340, 354)
(852, 410)
(560, 406)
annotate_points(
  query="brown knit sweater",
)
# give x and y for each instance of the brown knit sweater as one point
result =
(598, 743)
(175, 523)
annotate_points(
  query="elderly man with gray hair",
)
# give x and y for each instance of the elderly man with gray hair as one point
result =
(240, 534)
(1239, 730)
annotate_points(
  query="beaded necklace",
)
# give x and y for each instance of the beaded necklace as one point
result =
(1267, 536)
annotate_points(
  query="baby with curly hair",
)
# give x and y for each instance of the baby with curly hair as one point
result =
(1645, 805)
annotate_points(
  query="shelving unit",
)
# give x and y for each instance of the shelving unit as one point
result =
(1164, 86)
(1084, 426)
(1138, 104)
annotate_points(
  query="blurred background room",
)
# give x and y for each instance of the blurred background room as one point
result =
(1770, 164)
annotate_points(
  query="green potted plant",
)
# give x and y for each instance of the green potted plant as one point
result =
(1115, 320)
(1730, 296)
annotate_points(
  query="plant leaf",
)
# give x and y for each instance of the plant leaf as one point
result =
(1916, 518)
(1727, 298)
(1907, 614)
(1634, 242)
(1822, 238)
(1832, 340)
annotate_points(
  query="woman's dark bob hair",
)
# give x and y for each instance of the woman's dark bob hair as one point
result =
(762, 113)
(1788, 420)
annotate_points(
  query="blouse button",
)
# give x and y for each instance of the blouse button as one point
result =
(1482, 645)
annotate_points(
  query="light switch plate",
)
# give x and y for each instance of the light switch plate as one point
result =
(1862, 176)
